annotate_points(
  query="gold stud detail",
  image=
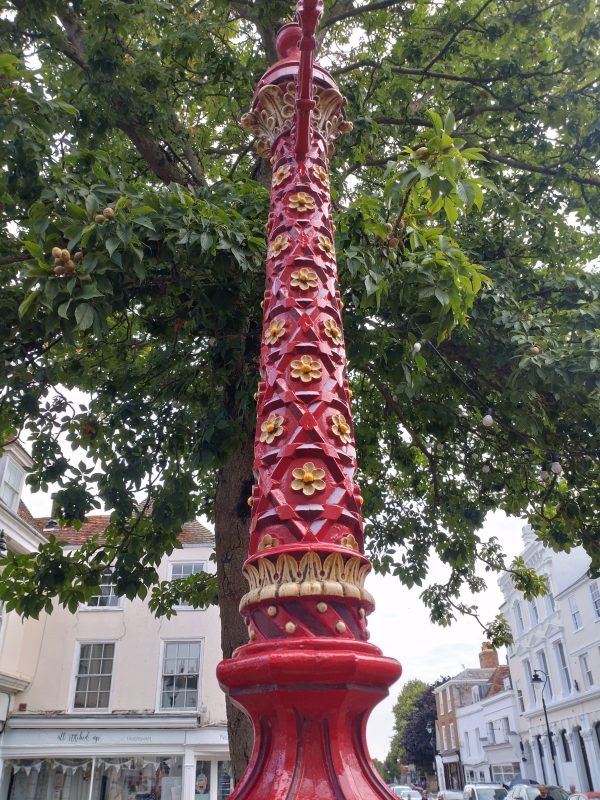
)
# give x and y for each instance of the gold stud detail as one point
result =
(290, 627)
(272, 611)
(321, 608)
(340, 627)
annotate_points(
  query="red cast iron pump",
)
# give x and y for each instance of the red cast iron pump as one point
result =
(308, 678)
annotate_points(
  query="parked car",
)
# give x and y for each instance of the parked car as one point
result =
(484, 791)
(584, 796)
(450, 794)
(526, 792)
(409, 794)
(398, 788)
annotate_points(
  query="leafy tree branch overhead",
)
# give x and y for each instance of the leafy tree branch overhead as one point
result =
(131, 259)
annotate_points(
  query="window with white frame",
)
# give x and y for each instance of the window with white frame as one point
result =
(491, 735)
(534, 615)
(452, 735)
(518, 617)
(94, 675)
(595, 592)
(504, 773)
(504, 728)
(543, 665)
(549, 598)
(563, 667)
(521, 701)
(477, 740)
(180, 676)
(449, 698)
(475, 696)
(106, 597)
(444, 740)
(575, 613)
(467, 743)
(528, 675)
(183, 569)
(586, 670)
(11, 482)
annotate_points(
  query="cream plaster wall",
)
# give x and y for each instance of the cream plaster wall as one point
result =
(139, 639)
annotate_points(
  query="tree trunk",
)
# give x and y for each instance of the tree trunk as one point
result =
(232, 521)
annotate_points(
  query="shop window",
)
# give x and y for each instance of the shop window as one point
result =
(94, 675)
(107, 597)
(565, 745)
(224, 780)
(202, 784)
(183, 569)
(180, 674)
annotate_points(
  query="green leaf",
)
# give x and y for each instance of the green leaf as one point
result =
(29, 304)
(450, 210)
(84, 316)
(33, 248)
(449, 122)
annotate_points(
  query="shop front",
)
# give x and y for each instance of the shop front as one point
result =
(92, 763)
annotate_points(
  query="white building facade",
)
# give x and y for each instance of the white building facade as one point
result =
(111, 703)
(557, 636)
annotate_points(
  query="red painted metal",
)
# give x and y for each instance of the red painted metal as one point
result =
(309, 13)
(308, 678)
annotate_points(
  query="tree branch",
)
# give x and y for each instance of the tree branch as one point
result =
(354, 12)
(455, 35)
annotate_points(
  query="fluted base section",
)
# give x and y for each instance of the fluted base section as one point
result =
(309, 705)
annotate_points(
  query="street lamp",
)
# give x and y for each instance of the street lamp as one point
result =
(535, 678)
(430, 728)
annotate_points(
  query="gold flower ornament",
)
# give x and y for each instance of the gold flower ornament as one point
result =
(321, 174)
(304, 278)
(301, 202)
(340, 428)
(332, 331)
(308, 478)
(275, 331)
(271, 428)
(281, 174)
(279, 244)
(306, 368)
(325, 245)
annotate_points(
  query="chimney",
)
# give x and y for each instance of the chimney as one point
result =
(488, 658)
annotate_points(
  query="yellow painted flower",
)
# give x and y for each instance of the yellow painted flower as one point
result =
(301, 202)
(279, 244)
(267, 541)
(280, 174)
(272, 428)
(306, 368)
(340, 428)
(304, 278)
(332, 330)
(308, 478)
(349, 541)
(326, 245)
(275, 331)
(321, 174)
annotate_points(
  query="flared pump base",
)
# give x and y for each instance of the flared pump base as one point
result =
(309, 705)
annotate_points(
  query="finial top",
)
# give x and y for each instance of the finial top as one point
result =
(288, 39)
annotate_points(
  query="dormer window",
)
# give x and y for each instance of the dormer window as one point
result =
(11, 482)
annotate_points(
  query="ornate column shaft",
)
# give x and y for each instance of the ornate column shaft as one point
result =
(308, 679)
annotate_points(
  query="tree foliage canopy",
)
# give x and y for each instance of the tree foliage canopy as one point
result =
(404, 707)
(467, 202)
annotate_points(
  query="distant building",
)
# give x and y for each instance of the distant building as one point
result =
(450, 697)
(489, 744)
(111, 703)
(17, 649)
(559, 637)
